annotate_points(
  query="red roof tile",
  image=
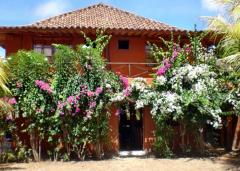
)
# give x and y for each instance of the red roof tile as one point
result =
(100, 16)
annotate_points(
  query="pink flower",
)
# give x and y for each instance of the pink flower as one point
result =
(174, 55)
(43, 86)
(167, 66)
(77, 110)
(9, 117)
(78, 97)
(124, 81)
(92, 104)
(188, 50)
(89, 114)
(90, 93)
(60, 105)
(70, 99)
(161, 71)
(12, 101)
(39, 83)
(99, 90)
(61, 114)
(126, 92)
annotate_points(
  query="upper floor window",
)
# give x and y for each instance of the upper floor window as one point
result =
(47, 50)
(123, 44)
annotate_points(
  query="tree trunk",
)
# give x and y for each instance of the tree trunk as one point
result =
(39, 148)
(201, 140)
(34, 145)
(236, 139)
(98, 144)
(183, 134)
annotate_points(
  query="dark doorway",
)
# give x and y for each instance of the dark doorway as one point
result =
(130, 129)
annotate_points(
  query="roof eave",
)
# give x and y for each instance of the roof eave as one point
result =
(78, 30)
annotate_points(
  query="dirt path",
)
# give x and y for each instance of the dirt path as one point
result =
(132, 164)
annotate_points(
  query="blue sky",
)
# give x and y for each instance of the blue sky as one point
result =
(180, 13)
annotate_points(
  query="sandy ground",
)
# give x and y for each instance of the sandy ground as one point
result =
(132, 164)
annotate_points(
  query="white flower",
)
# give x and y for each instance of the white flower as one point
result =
(139, 104)
(161, 80)
(118, 97)
(108, 86)
(200, 87)
(138, 84)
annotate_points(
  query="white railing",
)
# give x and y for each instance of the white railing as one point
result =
(132, 69)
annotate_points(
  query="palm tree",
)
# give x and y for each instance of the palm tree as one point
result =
(3, 80)
(227, 25)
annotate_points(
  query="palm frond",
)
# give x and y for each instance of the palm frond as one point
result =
(233, 61)
(3, 78)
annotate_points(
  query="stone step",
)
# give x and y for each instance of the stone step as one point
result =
(137, 153)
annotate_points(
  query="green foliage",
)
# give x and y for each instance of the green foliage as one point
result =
(34, 102)
(163, 139)
(227, 28)
(82, 113)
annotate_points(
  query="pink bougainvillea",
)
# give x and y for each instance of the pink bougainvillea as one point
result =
(89, 114)
(9, 117)
(12, 101)
(167, 63)
(161, 71)
(124, 81)
(126, 92)
(77, 110)
(70, 99)
(60, 105)
(99, 90)
(44, 86)
(90, 93)
(92, 104)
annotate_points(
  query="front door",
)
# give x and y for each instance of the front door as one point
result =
(130, 129)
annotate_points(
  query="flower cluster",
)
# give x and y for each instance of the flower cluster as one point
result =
(188, 85)
(234, 99)
(198, 78)
(167, 103)
(124, 81)
(12, 101)
(44, 86)
(167, 63)
(72, 103)
(137, 85)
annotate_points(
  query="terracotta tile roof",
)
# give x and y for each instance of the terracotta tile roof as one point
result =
(103, 16)
(100, 16)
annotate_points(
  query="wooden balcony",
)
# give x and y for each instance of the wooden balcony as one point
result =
(133, 69)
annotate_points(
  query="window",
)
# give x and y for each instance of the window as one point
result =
(123, 44)
(47, 50)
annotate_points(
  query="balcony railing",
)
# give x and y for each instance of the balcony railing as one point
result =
(132, 69)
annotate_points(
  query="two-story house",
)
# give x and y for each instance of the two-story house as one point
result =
(127, 53)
